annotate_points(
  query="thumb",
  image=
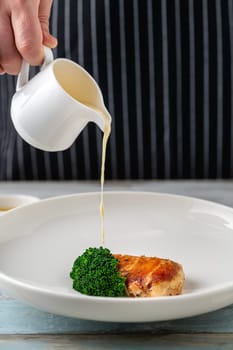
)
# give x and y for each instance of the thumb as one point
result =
(44, 14)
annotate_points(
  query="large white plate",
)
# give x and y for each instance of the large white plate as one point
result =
(39, 243)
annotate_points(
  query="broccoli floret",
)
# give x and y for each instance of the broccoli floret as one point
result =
(95, 273)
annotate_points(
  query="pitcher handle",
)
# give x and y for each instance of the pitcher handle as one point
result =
(23, 76)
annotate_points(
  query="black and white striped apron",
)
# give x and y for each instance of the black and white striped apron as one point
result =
(165, 68)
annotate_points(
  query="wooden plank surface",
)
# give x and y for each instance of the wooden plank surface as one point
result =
(122, 342)
(19, 318)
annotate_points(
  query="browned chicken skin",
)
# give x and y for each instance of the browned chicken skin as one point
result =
(150, 276)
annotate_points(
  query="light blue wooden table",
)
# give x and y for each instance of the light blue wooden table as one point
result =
(24, 327)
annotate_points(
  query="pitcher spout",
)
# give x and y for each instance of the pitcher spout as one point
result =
(101, 117)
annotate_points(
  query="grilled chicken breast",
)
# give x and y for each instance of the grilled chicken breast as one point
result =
(150, 276)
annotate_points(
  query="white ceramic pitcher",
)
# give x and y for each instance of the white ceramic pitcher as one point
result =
(50, 110)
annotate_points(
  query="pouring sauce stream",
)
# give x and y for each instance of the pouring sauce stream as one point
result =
(107, 132)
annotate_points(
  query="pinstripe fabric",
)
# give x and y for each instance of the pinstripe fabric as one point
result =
(165, 68)
(192, 90)
(124, 92)
(206, 95)
(178, 87)
(219, 89)
(230, 14)
(166, 106)
(110, 88)
(152, 100)
(138, 92)
(85, 134)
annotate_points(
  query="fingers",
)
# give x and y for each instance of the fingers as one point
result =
(10, 59)
(28, 33)
(2, 70)
(44, 13)
(49, 40)
(24, 28)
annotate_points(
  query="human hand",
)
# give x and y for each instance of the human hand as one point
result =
(24, 29)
